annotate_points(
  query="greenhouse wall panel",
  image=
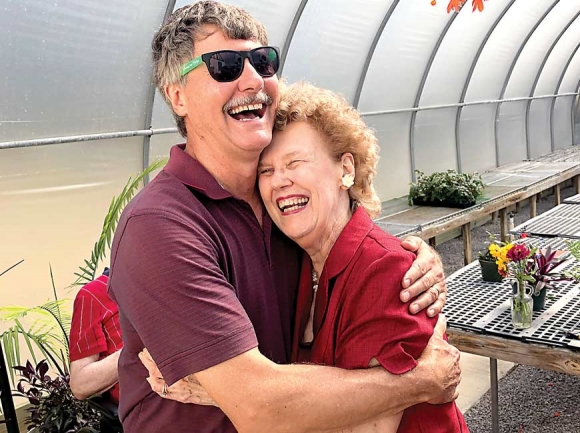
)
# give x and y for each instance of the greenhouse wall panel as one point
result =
(394, 170)
(434, 144)
(477, 144)
(511, 132)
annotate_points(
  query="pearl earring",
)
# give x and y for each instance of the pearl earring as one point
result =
(348, 180)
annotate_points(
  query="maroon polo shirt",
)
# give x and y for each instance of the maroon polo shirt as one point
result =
(198, 282)
(358, 316)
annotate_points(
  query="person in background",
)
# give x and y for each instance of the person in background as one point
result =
(206, 282)
(95, 342)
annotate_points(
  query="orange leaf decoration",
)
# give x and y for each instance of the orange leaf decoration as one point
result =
(477, 4)
(455, 5)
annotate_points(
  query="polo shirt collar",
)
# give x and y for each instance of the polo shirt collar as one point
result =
(348, 242)
(190, 172)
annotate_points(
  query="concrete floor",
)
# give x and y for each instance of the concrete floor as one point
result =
(475, 379)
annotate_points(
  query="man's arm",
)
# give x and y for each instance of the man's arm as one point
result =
(261, 396)
(89, 376)
(425, 278)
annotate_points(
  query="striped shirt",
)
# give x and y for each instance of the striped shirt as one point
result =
(95, 328)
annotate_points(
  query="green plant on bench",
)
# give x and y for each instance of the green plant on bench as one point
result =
(574, 248)
(446, 188)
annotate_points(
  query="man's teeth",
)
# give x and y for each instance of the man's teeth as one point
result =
(291, 204)
(241, 108)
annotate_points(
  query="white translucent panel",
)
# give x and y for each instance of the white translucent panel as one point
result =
(563, 122)
(54, 200)
(71, 67)
(162, 143)
(576, 114)
(534, 53)
(277, 16)
(457, 52)
(572, 75)
(540, 141)
(162, 118)
(322, 50)
(434, 144)
(511, 132)
(558, 59)
(394, 171)
(476, 138)
(502, 47)
(401, 56)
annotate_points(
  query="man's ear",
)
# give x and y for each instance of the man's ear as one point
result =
(176, 96)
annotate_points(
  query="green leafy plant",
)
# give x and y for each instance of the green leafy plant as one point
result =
(47, 325)
(448, 188)
(574, 248)
(88, 271)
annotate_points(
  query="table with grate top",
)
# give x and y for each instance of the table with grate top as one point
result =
(479, 322)
(575, 199)
(562, 220)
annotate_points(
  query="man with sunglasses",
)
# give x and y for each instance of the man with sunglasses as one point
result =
(202, 276)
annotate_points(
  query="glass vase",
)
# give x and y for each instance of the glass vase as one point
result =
(522, 307)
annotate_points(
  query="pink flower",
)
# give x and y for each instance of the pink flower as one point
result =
(518, 253)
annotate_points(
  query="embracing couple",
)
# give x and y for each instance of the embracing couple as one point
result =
(250, 267)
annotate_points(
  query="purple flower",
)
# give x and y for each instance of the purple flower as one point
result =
(518, 253)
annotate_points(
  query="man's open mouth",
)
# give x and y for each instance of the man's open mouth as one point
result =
(248, 112)
(291, 204)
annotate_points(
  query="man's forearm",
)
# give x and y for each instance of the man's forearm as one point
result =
(307, 398)
(333, 398)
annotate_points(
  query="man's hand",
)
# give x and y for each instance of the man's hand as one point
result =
(425, 278)
(186, 390)
(439, 362)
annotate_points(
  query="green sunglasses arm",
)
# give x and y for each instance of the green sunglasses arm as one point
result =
(191, 65)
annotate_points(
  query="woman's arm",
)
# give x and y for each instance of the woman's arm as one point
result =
(89, 376)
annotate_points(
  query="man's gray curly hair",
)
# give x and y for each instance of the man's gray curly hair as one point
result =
(173, 44)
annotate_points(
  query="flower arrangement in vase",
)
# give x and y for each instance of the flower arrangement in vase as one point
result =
(519, 256)
(533, 270)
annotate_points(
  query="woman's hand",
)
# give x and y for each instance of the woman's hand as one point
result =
(186, 390)
(425, 277)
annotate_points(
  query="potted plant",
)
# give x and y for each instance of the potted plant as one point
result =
(446, 188)
(54, 409)
(541, 269)
(493, 260)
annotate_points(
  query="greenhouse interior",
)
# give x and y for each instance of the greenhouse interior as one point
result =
(484, 92)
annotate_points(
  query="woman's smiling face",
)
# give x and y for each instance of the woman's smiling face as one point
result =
(300, 183)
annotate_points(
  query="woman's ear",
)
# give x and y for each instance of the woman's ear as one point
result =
(176, 96)
(348, 171)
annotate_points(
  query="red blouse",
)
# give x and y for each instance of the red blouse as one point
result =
(358, 316)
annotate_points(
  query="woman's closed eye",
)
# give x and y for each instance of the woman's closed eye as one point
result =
(264, 171)
(294, 163)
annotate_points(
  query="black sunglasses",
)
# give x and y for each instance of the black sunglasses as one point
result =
(228, 65)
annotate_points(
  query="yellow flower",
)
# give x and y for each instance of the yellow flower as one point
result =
(494, 250)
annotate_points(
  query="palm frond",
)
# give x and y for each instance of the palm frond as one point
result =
(11, 267)
(103, 244)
